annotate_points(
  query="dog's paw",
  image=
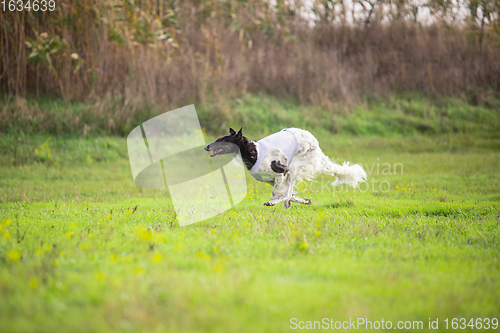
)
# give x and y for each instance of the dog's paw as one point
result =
(287, 204)
(268, 203)
(307, 201)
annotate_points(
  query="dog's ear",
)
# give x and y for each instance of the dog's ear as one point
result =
(232, 131)
(239, 135)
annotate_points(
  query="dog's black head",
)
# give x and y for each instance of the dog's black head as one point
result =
(228, 144)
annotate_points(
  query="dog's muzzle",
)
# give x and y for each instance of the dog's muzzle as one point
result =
(213, 151)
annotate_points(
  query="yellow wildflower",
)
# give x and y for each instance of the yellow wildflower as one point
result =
(203, 255)
(156, 258)
(14, 255)
(33, 282)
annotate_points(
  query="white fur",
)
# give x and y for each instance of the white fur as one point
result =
(307, 162)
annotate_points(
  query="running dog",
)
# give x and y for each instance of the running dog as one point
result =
(283, 158)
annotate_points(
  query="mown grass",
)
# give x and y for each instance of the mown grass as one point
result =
(83, 249)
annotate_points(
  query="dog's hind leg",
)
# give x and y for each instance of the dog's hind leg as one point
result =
(287, 203)
(286, 198)
(300, 200)
(282, 191)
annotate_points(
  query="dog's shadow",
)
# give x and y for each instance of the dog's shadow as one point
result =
(338, 204)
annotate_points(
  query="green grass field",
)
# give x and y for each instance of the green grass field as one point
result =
(82, 249)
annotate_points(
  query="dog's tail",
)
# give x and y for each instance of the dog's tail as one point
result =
(345, 174)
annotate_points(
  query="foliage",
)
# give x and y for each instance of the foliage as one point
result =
(405, 114)
(174, 52)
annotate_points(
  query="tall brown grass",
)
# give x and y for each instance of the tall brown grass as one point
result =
(170, 53)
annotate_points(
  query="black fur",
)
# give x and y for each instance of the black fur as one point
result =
(247, 148)
(277, 167)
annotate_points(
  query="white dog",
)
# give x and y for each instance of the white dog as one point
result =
(283, 158)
